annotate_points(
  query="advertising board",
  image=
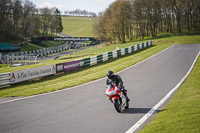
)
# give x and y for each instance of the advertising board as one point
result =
(69, 66)
(27, 74)
(63, 39)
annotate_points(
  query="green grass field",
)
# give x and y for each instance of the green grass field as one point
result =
(77, 26)
(45, 44)
(73, 26)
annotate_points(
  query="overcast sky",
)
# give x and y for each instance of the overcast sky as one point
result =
(70, 5)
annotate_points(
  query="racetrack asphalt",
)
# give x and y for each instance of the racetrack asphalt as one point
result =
(56, 55)
(85, 108)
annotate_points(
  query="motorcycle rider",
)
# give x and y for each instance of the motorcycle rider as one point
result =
(116, 80)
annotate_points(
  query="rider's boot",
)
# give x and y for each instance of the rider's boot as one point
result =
(125, 93)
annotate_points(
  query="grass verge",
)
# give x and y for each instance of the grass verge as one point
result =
(84, 75)
(44, 44)
(182, 114)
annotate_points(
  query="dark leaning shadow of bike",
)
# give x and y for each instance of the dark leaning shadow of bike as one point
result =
(140, 111)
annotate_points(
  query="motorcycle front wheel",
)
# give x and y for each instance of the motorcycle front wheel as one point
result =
(117, 106)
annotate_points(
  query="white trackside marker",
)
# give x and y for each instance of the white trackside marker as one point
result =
(147, 115)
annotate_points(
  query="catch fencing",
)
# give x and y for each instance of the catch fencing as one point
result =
(28, 74)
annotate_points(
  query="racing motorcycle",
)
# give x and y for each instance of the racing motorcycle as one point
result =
(116, 96)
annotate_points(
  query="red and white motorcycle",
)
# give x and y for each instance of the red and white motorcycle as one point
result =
(117, 97)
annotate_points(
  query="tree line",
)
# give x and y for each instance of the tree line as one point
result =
(20, 20)
(80, 13)
(142, 18)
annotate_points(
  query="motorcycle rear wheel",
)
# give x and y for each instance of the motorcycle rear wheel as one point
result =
(127, 105)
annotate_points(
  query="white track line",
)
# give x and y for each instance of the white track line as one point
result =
(13, 100)
(148, 114)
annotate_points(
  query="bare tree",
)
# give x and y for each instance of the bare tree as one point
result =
(20, 20)
(139, 18)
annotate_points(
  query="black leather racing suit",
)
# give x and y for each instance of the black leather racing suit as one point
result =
(116, 80)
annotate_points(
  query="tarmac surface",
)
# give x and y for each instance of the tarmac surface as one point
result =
(85, 108)
(56, 55)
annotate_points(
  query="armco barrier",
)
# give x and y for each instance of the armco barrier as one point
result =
(86, 62)
(105, 57)
(110, 55)
(115, 54)
(39, 53)
(100, 58)
(4, 79)
(28, 74)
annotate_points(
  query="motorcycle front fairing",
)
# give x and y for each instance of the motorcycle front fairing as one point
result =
(112, 91)
(116, 96)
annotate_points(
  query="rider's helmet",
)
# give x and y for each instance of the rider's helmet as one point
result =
(110, 74)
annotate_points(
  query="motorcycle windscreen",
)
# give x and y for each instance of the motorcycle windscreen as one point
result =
(110, 86)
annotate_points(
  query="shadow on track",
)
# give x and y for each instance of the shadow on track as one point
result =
(140, 111)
